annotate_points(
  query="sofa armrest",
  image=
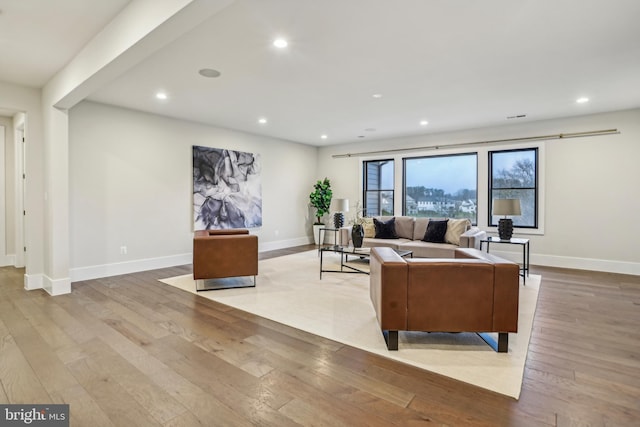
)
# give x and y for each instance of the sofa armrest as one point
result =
(506, 288)
(388, 288)
(471, 238)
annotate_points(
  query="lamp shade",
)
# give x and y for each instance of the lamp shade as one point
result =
(506, 207)
(341, 205)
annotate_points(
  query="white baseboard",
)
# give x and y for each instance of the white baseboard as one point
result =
(32, 281)
(283, 244)
(56, 286)
(7, 260)
(107, 270)
(609, 266)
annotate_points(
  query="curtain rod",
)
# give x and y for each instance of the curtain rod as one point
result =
(493, 141)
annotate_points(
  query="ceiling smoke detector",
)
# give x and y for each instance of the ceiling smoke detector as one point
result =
(209, 72)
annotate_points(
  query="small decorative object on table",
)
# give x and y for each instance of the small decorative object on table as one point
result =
(357, 228)
(341, 205)
(357, 234)
(506, 207)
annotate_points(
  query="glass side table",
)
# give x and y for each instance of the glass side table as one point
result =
(513, 241)
(322, 234)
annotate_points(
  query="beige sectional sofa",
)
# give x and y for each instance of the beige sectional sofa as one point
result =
(411, 231)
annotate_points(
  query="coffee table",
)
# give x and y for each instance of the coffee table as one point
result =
(349, 251)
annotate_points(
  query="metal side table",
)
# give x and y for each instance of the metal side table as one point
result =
(513, 241)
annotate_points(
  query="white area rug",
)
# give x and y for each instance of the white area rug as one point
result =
(289, 291)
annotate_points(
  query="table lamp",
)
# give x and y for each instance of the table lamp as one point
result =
(341, 206)
(506, 207)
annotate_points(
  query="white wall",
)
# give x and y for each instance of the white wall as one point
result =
(3, 197)
(590, 193)
(130, 185)
(138, 30)
(28, 101)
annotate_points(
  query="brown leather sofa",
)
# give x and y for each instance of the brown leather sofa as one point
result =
(473, 292)
(224, 253)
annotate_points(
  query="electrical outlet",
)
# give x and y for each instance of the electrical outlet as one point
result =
(123, 250)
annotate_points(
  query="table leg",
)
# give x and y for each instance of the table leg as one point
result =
(524, 264)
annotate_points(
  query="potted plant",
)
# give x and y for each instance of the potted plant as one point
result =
(320, 199)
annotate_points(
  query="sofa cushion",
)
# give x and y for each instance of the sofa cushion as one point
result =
(423, 249)
(420, 227)
(436, 231)
(369, 228)
(385, 229)
(404, 225)
(390, 243)
(455, 228)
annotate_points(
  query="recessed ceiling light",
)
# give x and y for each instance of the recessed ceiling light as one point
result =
(323, 136)
(262, 120)
(209, 72)
(280, 43)
(161, 95)
(423, 122)
(377, 95)
(582, 100)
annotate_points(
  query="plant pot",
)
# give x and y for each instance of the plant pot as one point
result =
(357, 234)
(316, 231)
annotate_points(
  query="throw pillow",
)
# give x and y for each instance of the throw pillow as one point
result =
(455, 228)
(369, 228)
(385, 229)
(436, 231)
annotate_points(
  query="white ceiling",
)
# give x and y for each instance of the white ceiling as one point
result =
(39, 37)
(457, 63)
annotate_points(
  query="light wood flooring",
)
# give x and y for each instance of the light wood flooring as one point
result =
(131, 351)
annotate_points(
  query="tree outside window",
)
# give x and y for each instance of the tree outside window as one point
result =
(514, 175)
(442, 186)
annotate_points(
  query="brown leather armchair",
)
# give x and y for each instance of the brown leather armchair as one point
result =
(219, 254)
(474, 292)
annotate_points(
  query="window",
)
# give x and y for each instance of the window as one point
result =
(442, 186)
(378, 187)
(513, 174)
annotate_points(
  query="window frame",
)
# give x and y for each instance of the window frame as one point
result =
(365, 188)
(536, 188)
(464, 153)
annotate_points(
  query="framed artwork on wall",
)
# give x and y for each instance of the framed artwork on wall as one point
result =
(227, 189)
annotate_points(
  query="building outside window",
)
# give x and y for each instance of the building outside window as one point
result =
(441, 186)
(378, 187)
(513, 174)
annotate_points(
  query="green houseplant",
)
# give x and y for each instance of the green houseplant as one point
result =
(320, 199)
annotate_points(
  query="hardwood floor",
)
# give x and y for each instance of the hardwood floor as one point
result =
(130, 351)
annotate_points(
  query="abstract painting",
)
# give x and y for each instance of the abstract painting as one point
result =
(227, 190)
